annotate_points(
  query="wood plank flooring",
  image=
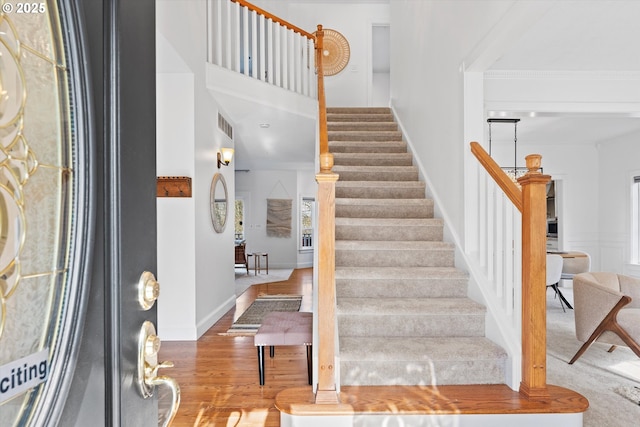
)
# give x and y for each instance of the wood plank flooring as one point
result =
(218, 374)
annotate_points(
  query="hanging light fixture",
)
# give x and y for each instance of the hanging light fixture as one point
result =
(514, 172)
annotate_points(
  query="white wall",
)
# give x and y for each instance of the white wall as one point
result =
(350, 87)
(257, 186)
(195, 263)
(577, 167)
(429, 42)
(582, 168)
(618, 163)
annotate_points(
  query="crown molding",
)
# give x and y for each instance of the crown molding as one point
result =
(560, 75)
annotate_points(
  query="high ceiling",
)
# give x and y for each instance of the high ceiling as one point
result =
(578, 36)
(572, 35)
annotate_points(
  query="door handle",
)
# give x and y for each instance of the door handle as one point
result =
(148, 366)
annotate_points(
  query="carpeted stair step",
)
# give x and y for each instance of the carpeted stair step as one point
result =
(359, 118)
(377, 173)
(356, 126)
(372, 159)
(389, 229)
(369, 111)
(367, 146)
(384, 208)
(366, 136)
(380, 189)
(354, 253)
(396, 282)
(408, 317)
(420, 361)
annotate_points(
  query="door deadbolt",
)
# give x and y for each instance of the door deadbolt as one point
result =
(148, 378)
(148, 290)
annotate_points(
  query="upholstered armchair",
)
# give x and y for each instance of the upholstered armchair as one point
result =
(607, 309)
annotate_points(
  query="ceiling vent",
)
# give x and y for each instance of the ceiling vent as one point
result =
(225, 126)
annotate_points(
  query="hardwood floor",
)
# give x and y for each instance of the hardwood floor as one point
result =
(218, 374)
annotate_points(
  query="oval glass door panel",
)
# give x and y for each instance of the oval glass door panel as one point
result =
(45, 208)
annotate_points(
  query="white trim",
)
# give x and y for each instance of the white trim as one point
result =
(560, 75)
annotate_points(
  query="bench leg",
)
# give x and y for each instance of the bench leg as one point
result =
(261, 363)
(309, 357)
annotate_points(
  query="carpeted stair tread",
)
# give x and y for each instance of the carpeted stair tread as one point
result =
(397, 282)
(359, 118)
(384, 208)
(409, 307)
(418, 348)
(420, 361)
(389, 273)
(367, 136)
(380, 189)
(384, 245)
(379, 173)
(372, 159)
(362, 126)
(359, 110)
(367, 146)
(402, 229)
(360, 253)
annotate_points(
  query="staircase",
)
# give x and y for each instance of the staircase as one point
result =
(403, 314)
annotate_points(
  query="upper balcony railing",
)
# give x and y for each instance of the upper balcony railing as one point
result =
(251, 41)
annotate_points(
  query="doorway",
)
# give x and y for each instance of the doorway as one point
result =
(380, 65)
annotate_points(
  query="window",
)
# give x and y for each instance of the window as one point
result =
(635, 220)
(239, 226)
(307, 219)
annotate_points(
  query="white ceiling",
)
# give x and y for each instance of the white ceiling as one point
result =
(573, 35)
(577, 36)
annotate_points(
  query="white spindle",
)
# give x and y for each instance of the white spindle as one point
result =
(292, 60)
(245, 41)
(285, 58)
(270, 60)
(482, 199)
(219, 31)
(262, 41)
(236, 17)
(499, 248)
(277, 55)
(253, 55)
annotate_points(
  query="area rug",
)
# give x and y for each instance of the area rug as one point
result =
(630, 392)
(244, 281)
(249, 322)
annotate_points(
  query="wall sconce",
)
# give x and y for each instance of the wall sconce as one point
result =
(224, 156)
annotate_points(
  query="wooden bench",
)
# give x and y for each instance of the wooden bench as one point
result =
(284, 328)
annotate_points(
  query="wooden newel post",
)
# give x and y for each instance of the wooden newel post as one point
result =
(327, 391)
(534, 270)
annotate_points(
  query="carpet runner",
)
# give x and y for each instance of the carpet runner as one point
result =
(403, 313)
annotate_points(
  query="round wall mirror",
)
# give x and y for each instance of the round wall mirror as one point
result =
(219, 205)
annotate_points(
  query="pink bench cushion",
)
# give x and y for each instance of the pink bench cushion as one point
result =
(285, 328)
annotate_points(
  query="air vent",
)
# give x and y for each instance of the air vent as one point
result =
(225, 126)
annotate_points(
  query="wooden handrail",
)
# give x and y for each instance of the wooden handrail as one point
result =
(531, 202)
(326, 159)
(275, 18)
(502, 179)
(327, 388)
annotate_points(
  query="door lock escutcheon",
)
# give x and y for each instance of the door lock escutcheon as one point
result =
(148, 290)
(148, 378)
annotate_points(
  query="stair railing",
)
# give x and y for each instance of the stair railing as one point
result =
(249, 40)
(240, 33)
(530, 200)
